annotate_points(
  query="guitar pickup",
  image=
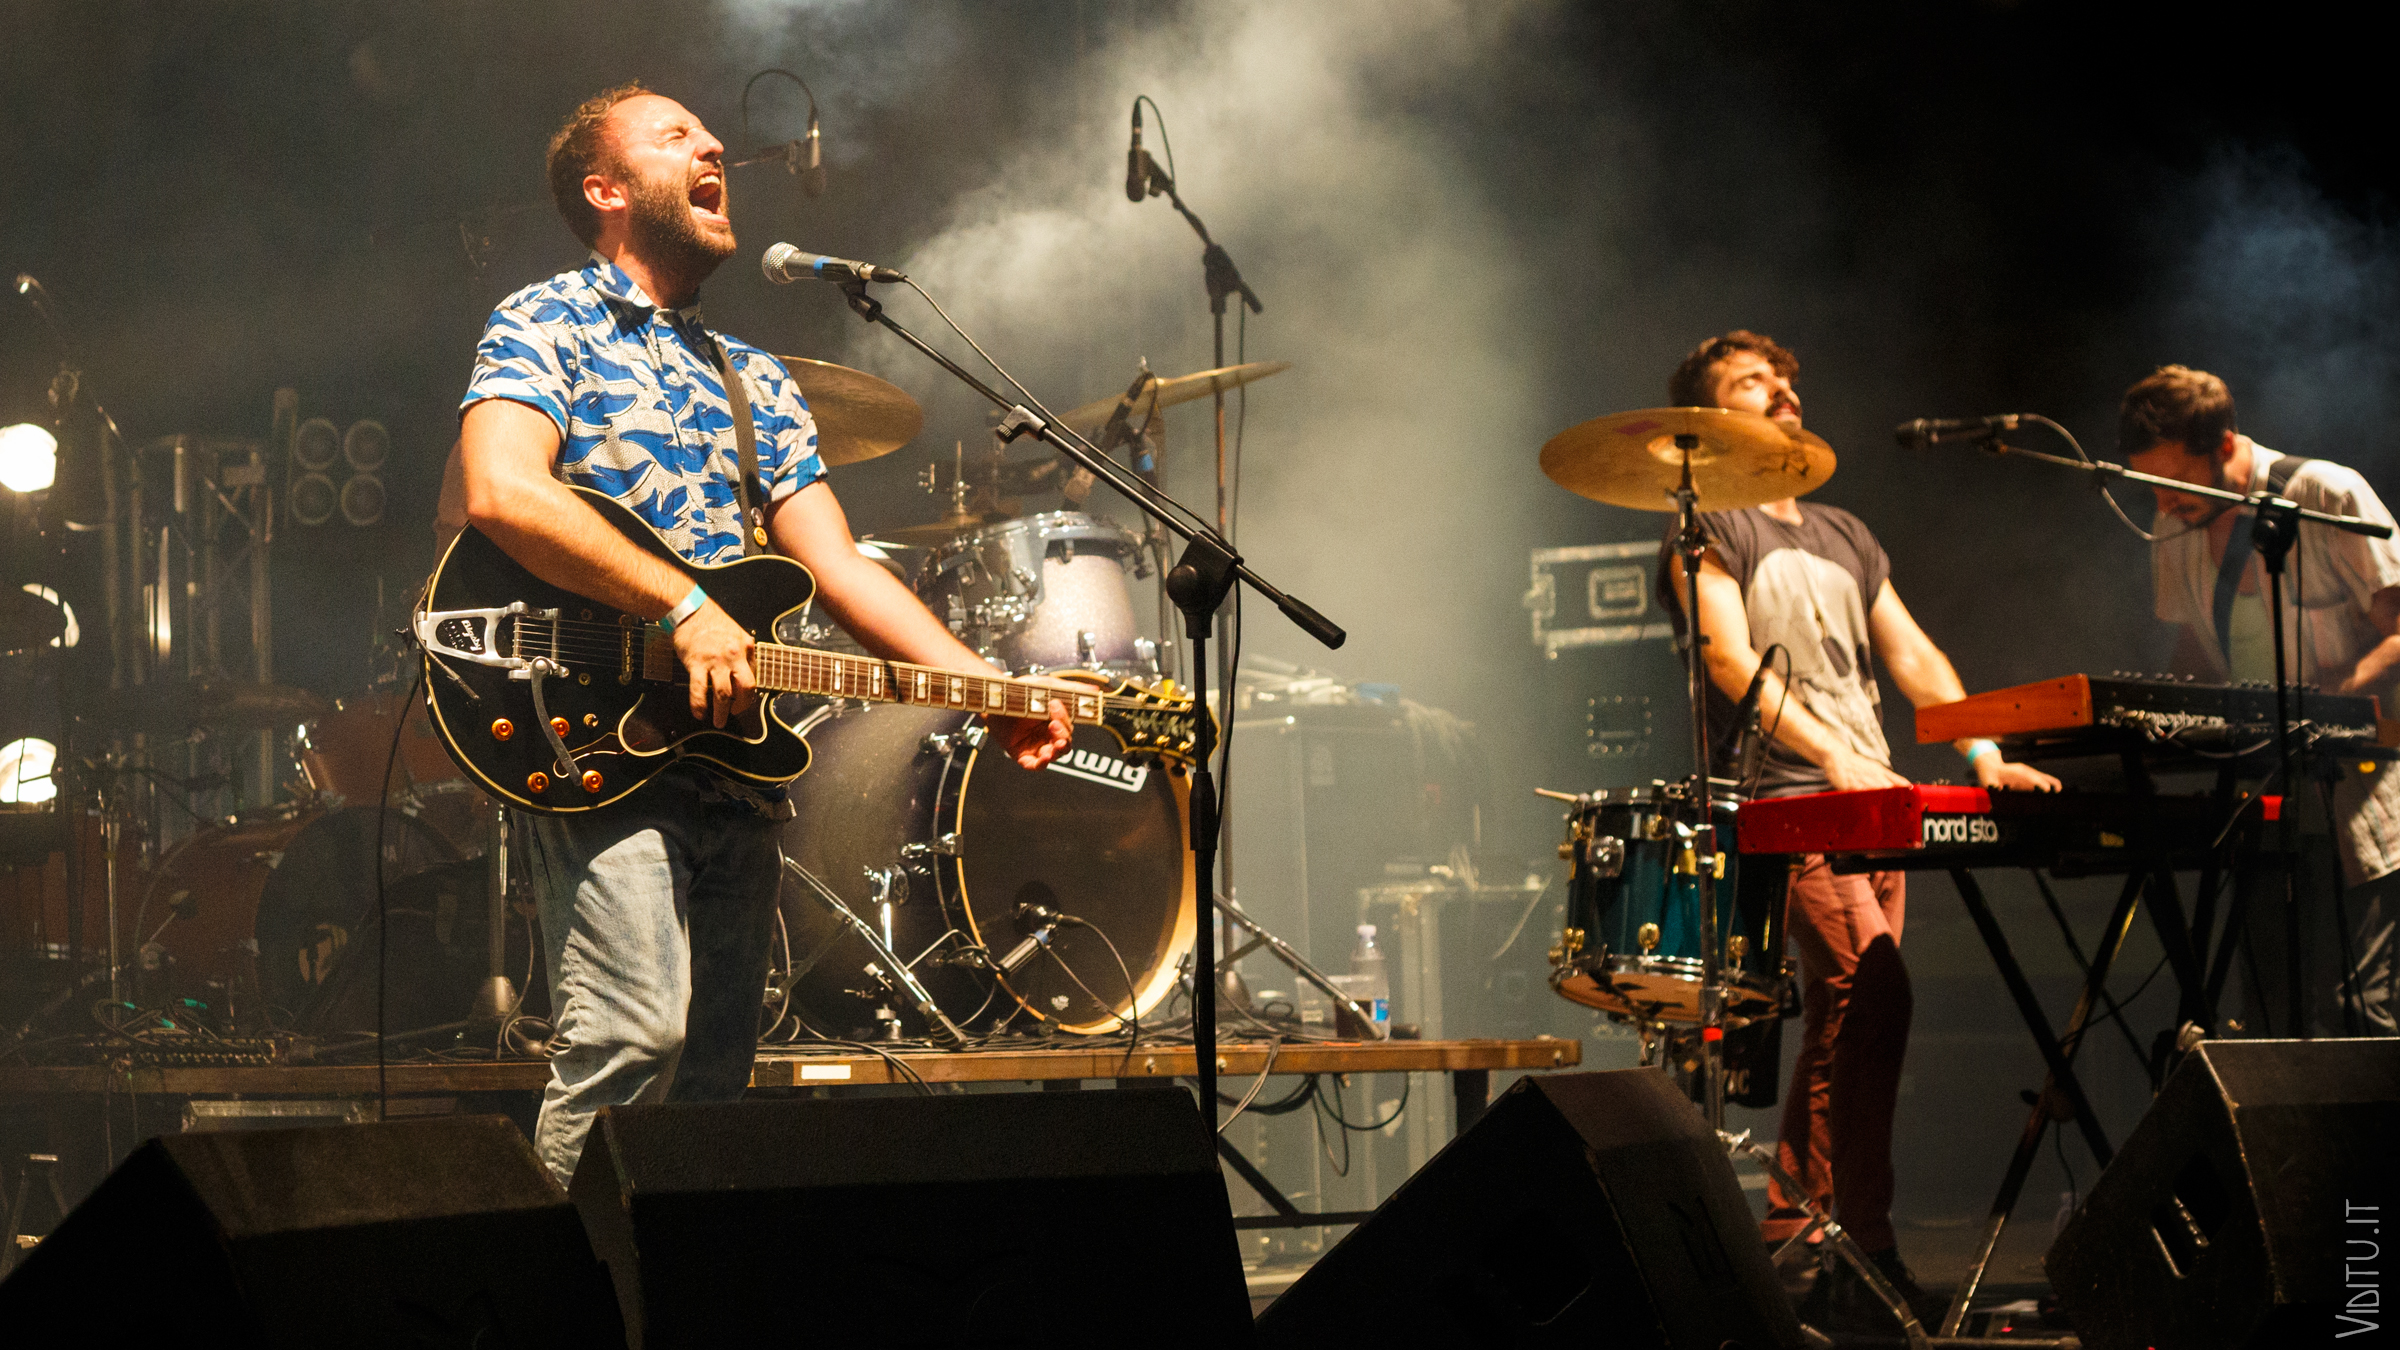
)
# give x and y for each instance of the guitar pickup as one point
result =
(474, 635)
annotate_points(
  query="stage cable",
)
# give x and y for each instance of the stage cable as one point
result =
(383, 917)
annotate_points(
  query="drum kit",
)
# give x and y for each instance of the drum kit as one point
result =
(906, 869)
(1664, 930)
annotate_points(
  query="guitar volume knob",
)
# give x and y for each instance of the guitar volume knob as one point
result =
(502, 728)
(559, 725)
(591, 780)
(537, 782)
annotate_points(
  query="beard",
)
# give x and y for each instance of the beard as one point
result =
(660, 223)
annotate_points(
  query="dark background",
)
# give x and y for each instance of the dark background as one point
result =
(1472, 226)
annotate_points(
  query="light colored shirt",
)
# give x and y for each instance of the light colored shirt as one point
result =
(2333, 576)
(640, 407)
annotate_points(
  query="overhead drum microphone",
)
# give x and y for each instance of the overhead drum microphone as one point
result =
(1930, 431)
(785, 264)
(1137, 179)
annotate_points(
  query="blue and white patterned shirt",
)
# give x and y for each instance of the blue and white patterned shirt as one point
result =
(640, 408)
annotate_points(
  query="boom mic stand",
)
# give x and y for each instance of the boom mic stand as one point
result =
(1701, 858)
(1223, 280)
(1199, 583)
(2274, 528)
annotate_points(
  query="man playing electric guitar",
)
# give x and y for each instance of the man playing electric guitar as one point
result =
(656, 910)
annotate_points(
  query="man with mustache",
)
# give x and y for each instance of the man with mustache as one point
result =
(2341, 632)
(1812, 579)
(656, 911)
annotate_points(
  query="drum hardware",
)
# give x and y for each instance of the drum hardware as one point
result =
(887, 970)
(1358, 1014)
(1838, 1241)
(1671, 459)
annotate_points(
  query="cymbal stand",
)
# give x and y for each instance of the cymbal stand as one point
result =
(1199, 583)
(1701, 860)
(1836, 1237)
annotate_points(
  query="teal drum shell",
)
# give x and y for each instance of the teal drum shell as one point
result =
(1638, 915)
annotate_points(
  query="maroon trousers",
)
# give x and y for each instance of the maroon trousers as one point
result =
(1856, 1005)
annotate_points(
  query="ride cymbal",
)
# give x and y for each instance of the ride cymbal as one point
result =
(1634, 459)
(859, 416)
(1165, 393)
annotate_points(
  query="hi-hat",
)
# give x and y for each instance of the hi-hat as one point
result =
(859, 416)
(1635, 459)
(934, 533)
(1164, 393)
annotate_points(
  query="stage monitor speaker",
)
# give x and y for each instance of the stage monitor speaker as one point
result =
(438, 1232)
(1019, 1218)
(2246, 1209)
(1582, 1209)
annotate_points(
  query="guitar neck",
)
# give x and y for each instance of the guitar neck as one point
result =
(800, 670)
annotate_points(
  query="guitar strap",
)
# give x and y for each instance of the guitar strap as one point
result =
(748, 490)
(2238, 549)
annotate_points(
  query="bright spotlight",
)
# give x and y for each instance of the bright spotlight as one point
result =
(25, 772)
(28, 457)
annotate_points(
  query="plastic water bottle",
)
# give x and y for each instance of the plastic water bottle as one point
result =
(1370, 984)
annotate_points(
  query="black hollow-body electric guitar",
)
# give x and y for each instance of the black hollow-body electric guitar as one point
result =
(559, 704)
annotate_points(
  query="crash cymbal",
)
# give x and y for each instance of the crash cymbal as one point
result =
(1165, 393)
(859, 416)
(1739, 459)
(27, 620)
(179, 705)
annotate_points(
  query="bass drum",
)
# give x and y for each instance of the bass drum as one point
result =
(972, 836)
(260, 913)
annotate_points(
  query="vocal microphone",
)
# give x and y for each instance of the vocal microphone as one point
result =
(1137, 177)
(1929, 431)
(785, 264)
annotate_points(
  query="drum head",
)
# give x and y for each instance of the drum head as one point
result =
(1094, 835)
(319, 898)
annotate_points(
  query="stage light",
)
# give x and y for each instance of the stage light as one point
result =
(25, 772)
(28, 457)
(73, 633)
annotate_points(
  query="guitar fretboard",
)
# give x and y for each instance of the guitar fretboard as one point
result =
(801, 670)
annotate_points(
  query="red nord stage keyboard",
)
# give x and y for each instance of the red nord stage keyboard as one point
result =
(1937, 827)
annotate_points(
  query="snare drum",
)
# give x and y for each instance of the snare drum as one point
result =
(1048, 592)
(1632, 940)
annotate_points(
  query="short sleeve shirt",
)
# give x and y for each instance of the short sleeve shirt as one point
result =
(2334, 575)
(1808, 587)
(640, 407)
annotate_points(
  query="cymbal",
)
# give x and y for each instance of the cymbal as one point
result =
(1741, 459)
(1163, 393)
(177, 705)
(859, 416)
(934, 533)
(27, 620)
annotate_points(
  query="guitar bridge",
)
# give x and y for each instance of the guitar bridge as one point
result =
(474, 635)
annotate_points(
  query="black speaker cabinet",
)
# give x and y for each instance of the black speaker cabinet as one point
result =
(1584, 1209)
(409, 1234)
(2247, 1208)
(1021, 1218)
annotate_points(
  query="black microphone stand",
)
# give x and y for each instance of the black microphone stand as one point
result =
(2274, 528)
(1223, 280)
(1198, 583)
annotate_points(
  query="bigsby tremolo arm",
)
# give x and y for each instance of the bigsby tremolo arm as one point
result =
(480, 645)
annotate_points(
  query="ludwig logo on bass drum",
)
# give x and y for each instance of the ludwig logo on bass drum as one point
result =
(1102, 769)
(1960, 830)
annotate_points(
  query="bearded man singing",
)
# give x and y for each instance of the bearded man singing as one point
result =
(656, 911)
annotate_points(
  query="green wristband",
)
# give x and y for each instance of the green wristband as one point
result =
(1979, 749)
(690, 606)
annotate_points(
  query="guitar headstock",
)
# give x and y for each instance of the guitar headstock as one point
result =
(1161, 722)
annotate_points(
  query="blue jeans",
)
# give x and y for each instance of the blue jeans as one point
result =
(656, 916)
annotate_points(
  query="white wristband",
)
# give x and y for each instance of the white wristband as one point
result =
(690, 606)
